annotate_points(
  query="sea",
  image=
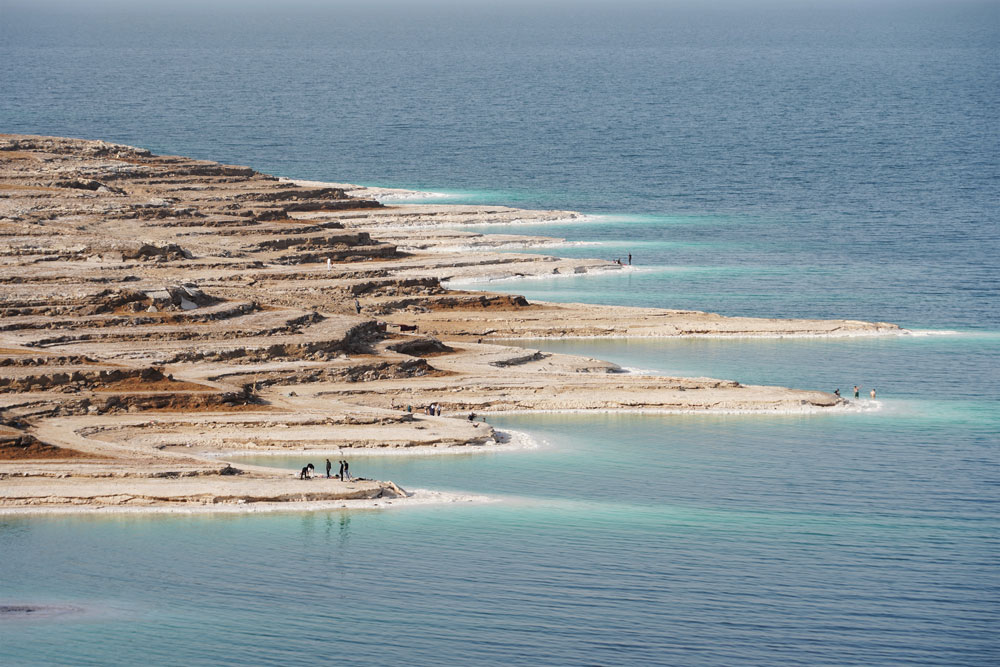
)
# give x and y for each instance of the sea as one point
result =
(775, 159)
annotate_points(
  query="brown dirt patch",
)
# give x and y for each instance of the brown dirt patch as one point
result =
(39, 450)
(491, 303)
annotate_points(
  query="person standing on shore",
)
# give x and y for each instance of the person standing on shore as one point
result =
(328, 466)
(630, 259)
(341, 473)
(857, 389)
(347, 471)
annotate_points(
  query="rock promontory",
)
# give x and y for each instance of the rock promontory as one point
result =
(160, 314)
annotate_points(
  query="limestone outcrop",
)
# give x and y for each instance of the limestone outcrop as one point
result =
(157, 312)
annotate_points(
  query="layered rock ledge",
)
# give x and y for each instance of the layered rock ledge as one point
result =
(158, 314)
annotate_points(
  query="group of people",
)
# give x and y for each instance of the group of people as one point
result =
(345, 470)
(619, 261)
(343, 475)
(432, 410)
(857, 392)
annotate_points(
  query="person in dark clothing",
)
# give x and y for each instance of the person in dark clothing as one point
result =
(836, 392)
(328, 466)
(347, 471)
(341, 473)
(307, 472)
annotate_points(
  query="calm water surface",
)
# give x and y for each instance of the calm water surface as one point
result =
(774, 161)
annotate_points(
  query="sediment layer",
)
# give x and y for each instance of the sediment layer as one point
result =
(157, 312)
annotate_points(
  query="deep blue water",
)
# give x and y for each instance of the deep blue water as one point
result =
(827, 160)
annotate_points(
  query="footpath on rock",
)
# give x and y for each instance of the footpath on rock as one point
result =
(157, 312)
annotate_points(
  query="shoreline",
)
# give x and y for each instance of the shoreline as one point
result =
(420, 498)
(164, 314)
(518, 442)
(735, 336)
(862, 406)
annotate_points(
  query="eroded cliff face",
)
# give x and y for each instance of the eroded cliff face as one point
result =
(157, 309)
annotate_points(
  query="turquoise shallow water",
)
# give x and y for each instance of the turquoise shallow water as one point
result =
(868, 537)
(802, 540)
(807, 160)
